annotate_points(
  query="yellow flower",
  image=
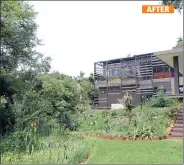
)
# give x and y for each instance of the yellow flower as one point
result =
(33, 124)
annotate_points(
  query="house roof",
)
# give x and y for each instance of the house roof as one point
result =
(111, 61)
(167, 56)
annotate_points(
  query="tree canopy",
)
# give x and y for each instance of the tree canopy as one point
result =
(18, 37)
(179, 41)
(29, 90)
(178, 4)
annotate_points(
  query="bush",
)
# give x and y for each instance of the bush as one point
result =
(127, 99)
(114, 113)
(21, 141)
(105, 114)
(147, 122)
(161, 100)
(73, 125)
(48, 127)
(7, 117)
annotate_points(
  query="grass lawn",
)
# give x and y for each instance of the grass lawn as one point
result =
(137, 152)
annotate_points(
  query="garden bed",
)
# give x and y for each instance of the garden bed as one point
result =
(154, 123)
(118, 137)
(129, 138)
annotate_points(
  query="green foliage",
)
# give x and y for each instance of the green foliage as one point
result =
(7, 117)
(53, 150)
(93, 123)
(18, 36)
(178, 4)
(179, 41)
(114, 78)
(62, 94)
(31, 106)
(85, 88)
(27, 141)
(114, 113)
(105, 114)
(51, 96)
(147, 122)
(32, 94)
(161, 100)
(18, 40)
(57, 103)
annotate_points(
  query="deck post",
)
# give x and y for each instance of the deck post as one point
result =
(176, 75)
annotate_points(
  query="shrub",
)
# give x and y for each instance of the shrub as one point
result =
(105, 114)
(161, 100)
(127, 99)
(114, 113)
(73, 125)
(7, 117)
(21, 141)
(48, 127)
(93, 123)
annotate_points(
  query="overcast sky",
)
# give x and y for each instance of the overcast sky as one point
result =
(77, 34)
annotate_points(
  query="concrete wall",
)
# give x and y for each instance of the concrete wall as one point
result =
(172, 84)
(117, 106)
(105, 100)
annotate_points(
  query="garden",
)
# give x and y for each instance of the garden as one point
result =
(149, 122)
(96, 136)
(46, 117)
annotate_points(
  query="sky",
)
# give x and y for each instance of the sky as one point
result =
(76, 34)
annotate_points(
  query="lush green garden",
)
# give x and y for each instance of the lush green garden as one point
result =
(69, 140)
(54, 149)
(46, 117)
(148, 122)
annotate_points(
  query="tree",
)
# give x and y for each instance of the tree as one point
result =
(178, 4)
(91, 78)
(18, 42)
(81, 75)
(129, 55)
(61, 92)
(179, 41)
(86, 87)
(18, 36)
(20, 63)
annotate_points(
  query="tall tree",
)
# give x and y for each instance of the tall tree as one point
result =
(18, 43)
(178, 4)
(18, 52)
(81, 75)
(18, 37)
(179, 41)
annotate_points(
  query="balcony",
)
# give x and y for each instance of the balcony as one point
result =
(116, 82)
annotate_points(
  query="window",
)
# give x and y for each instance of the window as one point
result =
(160, 69)
(113, 72)
(116, 72)
(181, 89)
(110, 72)
(127, 72)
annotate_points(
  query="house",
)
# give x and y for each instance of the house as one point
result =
(140, 75)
